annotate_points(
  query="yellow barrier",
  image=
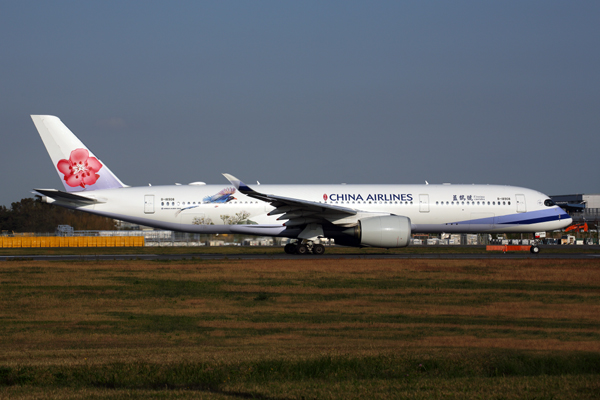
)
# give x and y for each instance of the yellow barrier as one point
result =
(72, 241)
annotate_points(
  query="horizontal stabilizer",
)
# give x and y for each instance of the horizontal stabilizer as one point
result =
(57, 195)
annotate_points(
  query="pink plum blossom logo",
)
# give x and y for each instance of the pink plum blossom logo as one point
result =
(80, 169)
(325, 197)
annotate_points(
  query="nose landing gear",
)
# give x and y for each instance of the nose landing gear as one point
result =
(535, 247)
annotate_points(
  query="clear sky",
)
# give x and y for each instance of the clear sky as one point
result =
(499, 92)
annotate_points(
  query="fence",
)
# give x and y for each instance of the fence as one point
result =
(91, 238)
(72, 241)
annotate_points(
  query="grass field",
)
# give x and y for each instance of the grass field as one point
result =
(305, 328)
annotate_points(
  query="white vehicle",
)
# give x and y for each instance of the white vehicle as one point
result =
(353, 215)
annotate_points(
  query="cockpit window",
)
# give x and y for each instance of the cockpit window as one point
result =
(549, 203)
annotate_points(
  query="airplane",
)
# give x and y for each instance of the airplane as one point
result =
(370, 215)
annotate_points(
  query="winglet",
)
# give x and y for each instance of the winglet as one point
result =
(239, 185)
(234, 181)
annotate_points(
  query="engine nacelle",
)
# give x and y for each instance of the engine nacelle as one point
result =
(387, 231)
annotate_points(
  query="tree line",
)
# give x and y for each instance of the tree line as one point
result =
(31, 215)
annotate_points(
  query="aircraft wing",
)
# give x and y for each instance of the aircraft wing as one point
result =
(300, 212)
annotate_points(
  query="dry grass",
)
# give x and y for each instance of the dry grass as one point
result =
(77, 314)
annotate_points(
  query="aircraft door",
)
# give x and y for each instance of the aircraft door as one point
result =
(149, 204)
(424, 203)
(521, 206)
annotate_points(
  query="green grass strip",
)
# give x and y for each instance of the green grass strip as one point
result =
(211, 376)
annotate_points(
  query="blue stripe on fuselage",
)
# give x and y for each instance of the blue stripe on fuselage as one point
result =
(526, 218)
(530, 221)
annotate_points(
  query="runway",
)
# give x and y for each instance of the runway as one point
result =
(283, 256)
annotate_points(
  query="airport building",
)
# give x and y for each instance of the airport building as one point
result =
(581, 207)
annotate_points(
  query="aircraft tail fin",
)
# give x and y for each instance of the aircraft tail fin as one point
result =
(76, 165)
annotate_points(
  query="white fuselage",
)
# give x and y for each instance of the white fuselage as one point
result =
(431, 208)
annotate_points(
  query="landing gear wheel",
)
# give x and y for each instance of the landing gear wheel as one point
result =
(534, 249)
(290, 248)
(301, 249)
(318, 249)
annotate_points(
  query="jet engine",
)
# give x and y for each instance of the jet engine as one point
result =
(385, 231)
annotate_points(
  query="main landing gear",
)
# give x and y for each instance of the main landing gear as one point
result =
(304, 247)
